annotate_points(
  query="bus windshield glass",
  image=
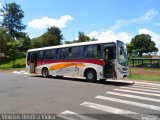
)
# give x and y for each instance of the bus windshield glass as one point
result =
(122, 54)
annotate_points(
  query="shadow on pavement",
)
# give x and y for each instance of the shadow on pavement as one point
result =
(105, 82)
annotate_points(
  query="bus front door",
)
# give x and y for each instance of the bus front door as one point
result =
(108, 70)
(33, 62)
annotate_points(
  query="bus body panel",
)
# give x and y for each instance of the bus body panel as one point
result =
(76, 67)
(73, 69)
(121, 71)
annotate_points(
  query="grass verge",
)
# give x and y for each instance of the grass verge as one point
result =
(8, 64)
(150, 74)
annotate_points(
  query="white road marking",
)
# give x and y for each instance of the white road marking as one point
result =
(153, 107)
(141, 89)
(154, 84)
(131, 91)
(106, 108)
(134, 96)
(146, 86)
(113, 110)
(122, 81)
(69, 115)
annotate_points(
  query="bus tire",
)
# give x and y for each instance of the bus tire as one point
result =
(91, 75)
(45, 73)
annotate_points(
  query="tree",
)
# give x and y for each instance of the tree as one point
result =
(36, 43)
(52, 37)
(12, 19)
(25, 42)
(129, 48)
(70, 42)
(12, 50)
(143, 44)
(3, 40)
(82, 37)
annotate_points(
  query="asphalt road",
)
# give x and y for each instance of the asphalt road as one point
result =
(74, 99)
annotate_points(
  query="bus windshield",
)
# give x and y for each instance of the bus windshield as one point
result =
(122, 54)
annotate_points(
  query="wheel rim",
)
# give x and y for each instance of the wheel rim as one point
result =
(90, 76)
(45, 73)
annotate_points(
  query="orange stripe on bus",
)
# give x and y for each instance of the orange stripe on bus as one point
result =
(65, 65)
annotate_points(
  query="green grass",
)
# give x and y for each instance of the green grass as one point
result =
(144, 77)
(8, 64)
(149, 74)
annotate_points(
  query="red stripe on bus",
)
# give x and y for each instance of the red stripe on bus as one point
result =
(93, 61)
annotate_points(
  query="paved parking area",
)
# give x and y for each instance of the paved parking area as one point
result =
(70, 98)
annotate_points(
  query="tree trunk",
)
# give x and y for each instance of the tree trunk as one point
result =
(140, 54)
(13, 63)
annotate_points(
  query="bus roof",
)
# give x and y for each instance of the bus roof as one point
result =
(70, 45)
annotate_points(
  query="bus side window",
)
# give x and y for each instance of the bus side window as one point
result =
(92, 51)
(62, 54)
(70, 53)
(41, 55)
(76, 52)
(59, 52)
(66, 52)
(53, 54)
(86, 52)
(48, 54)
(98, 51)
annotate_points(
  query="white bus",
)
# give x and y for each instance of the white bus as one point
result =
(93, 60)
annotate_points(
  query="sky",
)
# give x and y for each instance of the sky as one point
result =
(101, 19)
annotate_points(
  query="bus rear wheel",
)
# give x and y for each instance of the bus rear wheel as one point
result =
(45, 73)
(91, 75)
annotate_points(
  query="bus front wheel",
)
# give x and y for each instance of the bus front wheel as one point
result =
(91, 75)
(45, 73)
